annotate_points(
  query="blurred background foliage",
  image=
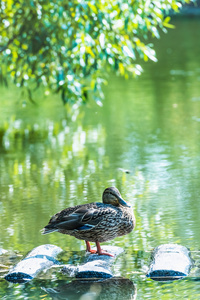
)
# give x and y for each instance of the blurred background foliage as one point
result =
(149, 126)
(69, 46)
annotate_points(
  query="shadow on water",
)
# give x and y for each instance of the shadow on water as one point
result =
(114, 288)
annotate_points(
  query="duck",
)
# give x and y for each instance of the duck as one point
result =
(96, 222)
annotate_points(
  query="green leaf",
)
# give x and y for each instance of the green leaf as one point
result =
(93, 7)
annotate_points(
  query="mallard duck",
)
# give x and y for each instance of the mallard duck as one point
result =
(95, 222)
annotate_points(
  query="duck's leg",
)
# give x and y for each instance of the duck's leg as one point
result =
(98, 251)
(102, 252)
(88, 248)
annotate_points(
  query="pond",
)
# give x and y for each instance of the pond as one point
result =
(145, 140)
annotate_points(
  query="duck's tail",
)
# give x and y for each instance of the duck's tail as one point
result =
(46, 230)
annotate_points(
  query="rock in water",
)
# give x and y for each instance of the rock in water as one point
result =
(94, 265)
(38, 259)
(170, 262)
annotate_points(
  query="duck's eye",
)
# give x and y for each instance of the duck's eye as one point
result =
(112, 194)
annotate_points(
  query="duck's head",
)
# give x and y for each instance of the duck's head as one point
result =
(112, 196)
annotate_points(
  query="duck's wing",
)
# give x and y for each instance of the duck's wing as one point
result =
(82, 217)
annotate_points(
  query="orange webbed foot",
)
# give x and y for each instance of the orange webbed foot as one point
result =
(88, 248)
(102, 252)
(99, 251)
(92, 251)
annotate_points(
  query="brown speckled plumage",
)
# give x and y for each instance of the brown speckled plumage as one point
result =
(95, 222)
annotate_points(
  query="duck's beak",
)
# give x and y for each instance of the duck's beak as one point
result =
(123, 203)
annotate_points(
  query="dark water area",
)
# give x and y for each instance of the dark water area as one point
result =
(149, 126)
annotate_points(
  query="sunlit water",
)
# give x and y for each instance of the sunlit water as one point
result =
(149, 126)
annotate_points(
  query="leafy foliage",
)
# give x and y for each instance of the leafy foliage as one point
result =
(69, 46)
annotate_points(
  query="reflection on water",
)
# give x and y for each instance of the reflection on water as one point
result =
(111, 289)
(149, 126)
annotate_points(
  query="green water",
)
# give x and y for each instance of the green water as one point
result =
(149, 126)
